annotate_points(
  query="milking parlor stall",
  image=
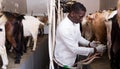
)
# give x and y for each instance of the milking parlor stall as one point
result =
(28, 32)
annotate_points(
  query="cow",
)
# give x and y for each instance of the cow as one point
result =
(43, 19)
(96, 23)
(30, 27)
(3, 53)
(14, 33)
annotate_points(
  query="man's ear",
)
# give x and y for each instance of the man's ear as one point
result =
(72, 14)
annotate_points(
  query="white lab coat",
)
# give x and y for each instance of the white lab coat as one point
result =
(68, 36)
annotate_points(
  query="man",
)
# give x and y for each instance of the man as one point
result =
(68, 36)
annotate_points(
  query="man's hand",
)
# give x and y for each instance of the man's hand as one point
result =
(94, 43)
(100, 48)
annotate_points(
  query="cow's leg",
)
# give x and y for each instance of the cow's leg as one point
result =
(19, 52)
(115, 60)
(118, 59)
(35, 41)
(108, 47)
(9, 34)
(112, 60)
(4, 58)
(109, 28)
(20, 43)
(42, 31)
(11, 39)
(28, 41)
(25, 44)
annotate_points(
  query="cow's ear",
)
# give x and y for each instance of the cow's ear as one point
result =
(90, 17)
(96, 15)
(112, 14)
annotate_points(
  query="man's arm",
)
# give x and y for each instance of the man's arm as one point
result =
(72, 45)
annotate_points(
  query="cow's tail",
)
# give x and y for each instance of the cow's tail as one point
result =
(41, 23)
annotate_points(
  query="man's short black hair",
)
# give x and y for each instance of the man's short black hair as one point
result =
(77, 6)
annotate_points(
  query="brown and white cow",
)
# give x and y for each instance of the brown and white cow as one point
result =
(95, 23)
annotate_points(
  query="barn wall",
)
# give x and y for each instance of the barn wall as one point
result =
(91, 5)
(37, 7)
(30, 7)
(107, 4)
(15, 6)
(95, 5)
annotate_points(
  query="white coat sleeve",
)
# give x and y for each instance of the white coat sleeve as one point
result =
(72, 45)
(83, 41)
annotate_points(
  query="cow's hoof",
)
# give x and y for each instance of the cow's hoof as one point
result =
(25, 51)
(17, 58)
(4, 67)
(21, 54)
(33, 50)
(17, 61)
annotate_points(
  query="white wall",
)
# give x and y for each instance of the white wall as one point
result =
(36, 7)
(107, 4)
(18, 6)
(91, 5)
(39, 7)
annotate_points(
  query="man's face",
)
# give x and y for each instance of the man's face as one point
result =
(78, 16)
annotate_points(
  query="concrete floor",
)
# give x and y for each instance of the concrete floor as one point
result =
(11, 56)
(25, 56)
(101, 63)
(98, 63)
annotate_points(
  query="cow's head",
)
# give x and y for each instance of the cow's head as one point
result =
(88, 19)
(3, 18)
